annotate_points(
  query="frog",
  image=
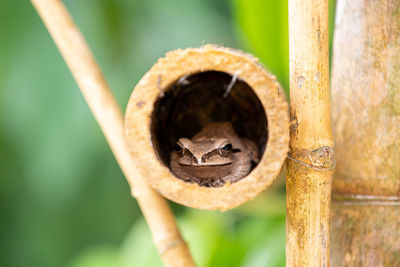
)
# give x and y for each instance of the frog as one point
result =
(214, 156)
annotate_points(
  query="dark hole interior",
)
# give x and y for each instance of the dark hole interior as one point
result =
(192, 101)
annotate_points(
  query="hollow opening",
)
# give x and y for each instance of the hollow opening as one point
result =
(191, 102)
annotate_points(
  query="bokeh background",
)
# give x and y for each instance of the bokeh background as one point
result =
(63, 198)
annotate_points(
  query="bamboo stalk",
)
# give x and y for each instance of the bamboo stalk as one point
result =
(366, 126)
(89, 77)
(311, 159)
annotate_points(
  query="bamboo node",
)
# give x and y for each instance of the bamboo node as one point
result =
(321, 159)
(172, 244)
(359, 199)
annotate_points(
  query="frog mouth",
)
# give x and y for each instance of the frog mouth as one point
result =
(208, 171)
(215, 165)
(213, 161)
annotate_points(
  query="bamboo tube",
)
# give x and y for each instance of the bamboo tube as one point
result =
(311, 158)
(366, 119)
(183, 92)
(83, 66)
(187, 89)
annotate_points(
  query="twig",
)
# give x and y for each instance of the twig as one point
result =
(108, 114)
(311, 144)
(230, 85)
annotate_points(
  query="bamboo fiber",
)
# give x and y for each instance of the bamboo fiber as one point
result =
(366, 127)
(311, 157)
(83, 66)
(251, 95)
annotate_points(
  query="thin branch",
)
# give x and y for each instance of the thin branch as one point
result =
(107, 112)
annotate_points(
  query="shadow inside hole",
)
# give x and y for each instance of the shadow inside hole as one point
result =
(191, 102)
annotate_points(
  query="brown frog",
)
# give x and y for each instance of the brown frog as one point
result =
(214, 156)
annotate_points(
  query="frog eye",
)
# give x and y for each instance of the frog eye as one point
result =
(178, 148)
(227, 147)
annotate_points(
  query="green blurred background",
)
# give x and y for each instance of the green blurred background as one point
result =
(63, 198)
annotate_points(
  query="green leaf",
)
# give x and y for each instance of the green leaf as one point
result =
(138, 248)
(101, 256)
(263, 25)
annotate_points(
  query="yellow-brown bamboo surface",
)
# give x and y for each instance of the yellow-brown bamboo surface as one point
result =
(311, 158)
(366, 125)
(83, 66)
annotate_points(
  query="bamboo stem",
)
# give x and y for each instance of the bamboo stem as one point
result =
(366, 125)
(107, 112)
(311, 160)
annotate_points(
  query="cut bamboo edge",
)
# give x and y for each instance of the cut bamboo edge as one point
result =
(311, 158)
(189, 88)
(106, 110)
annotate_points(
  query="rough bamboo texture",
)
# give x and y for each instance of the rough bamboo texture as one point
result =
(88, 75)
(177, 65)
(366, 127)
(311, 158)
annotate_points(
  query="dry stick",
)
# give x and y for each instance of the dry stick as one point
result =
(108, 114)
(311, 160)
